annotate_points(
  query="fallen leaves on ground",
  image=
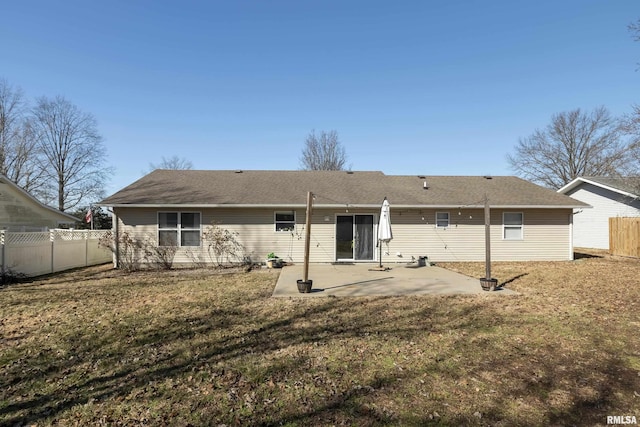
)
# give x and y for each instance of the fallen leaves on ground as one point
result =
(103, 347)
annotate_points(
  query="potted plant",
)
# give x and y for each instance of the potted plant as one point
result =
(273, 261)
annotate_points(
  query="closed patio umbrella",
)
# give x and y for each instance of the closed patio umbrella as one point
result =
(384, 226)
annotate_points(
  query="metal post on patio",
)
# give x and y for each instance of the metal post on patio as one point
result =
(304, 285)
(487, 282)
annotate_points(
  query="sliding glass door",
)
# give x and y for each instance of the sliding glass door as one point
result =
(354, 237)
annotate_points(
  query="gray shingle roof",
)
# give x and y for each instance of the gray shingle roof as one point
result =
(331, 188)
(626, 184)
(63, 217)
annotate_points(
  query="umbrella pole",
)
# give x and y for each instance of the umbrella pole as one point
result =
(380, 257)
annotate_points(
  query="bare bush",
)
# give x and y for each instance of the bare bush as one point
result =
(10, 277)
(223, 246)
(132, 253)
(160, 257)
(126, 250)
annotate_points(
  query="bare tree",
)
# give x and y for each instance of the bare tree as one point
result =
(631, 128)
(12, 106)
(634, 29)
(18, 151)
(575, 143)
(323, 152)
(173, 163)
(73, 155)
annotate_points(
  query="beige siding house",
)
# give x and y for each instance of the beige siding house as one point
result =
(19, 211)
(440, 217)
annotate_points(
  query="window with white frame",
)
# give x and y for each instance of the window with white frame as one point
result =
(512, 225)
(442, 219)
(179, 228)
(285, 220)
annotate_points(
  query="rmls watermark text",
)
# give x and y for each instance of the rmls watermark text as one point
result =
(621, 419)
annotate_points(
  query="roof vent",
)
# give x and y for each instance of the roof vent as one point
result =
(350, 172)
(424, 185)
(422, 176)
(488, 177)
(238, 171)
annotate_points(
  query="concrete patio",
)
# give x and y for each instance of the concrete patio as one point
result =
(359, 280)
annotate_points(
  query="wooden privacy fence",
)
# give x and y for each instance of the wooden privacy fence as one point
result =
(37, 253)
(624, 236)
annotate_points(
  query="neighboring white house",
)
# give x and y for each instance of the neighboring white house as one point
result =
(441, 217)
(20, 211)
(609, 197)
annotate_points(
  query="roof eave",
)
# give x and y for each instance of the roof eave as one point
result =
(68, 219)
(332, 206)
(541, 206)
(576, 182)
(570, 186)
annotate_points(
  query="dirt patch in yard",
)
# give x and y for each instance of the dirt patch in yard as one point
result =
(98, 346)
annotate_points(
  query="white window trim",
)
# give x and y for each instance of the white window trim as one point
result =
(521, 226)
(275, 222)
(448, 220)
(178, 229)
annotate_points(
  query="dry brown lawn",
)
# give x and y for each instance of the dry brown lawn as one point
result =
(101, 347)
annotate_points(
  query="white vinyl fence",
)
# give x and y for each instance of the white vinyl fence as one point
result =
(36, 253)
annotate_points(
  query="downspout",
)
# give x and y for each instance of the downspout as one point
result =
(2, 242)
(86, 248)
(116, 239)
(52, 239)
(571, 236)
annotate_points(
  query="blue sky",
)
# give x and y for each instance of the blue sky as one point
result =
(412, 87)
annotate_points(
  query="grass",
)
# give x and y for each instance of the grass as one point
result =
(100, 347)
